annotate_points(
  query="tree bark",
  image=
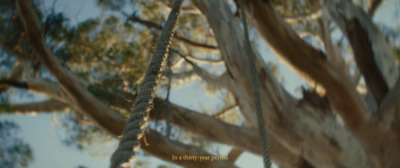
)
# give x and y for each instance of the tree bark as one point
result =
(93, 108)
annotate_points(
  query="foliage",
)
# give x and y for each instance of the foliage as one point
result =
(110, 54)
(13, 151)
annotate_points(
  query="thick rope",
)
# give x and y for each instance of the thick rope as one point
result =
(137, 120)
(256, 93)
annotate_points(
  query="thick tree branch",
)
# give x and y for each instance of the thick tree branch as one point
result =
(206, 125)
(117, 100)
(157, 145)
(177, 36)
(4, 83)
(217, 131)
(87, 103)
(39, 86)
(47, 106)
(281, 155)
(309, 62)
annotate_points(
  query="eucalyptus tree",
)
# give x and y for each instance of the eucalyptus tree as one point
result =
(346, 116)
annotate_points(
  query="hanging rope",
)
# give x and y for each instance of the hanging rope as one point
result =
(256, 93)
(136, 123)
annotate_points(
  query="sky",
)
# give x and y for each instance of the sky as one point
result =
(45, 136)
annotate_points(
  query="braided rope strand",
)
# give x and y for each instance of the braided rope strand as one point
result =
(136, 123)
(256, 93)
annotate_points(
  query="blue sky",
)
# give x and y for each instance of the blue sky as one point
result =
(44, 135)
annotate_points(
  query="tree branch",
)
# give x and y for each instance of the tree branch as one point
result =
(332, 50)
(391, 101)
(185, 9)
(234, 154)
(15, 75)
(312, 15)
(217, 131)
(211, 79)
(371, 50)
(206, 125)
(103, 116)
(39, 86)
(293, 126)
(157, 145)
(373, 7)
(309, 62)
(192, 58)
(46, 106)
(4, 83)
(225, 110)
(177, 36)
(185, 118)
